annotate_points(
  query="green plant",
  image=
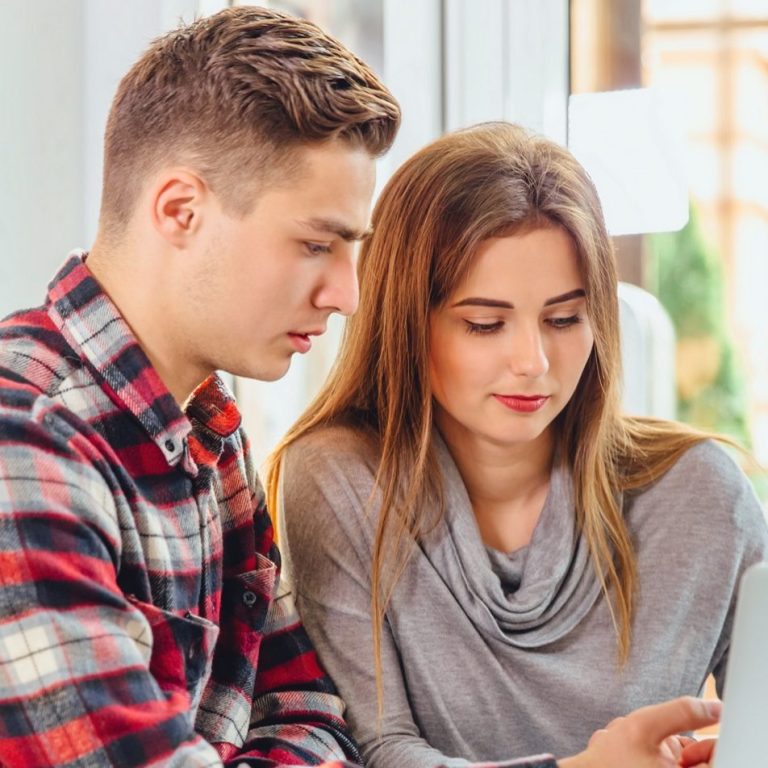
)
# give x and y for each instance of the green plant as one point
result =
(686, 275)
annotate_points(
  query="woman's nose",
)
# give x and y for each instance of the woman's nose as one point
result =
(527, 356)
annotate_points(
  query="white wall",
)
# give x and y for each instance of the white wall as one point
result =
(115, 32)
(41, 147)
(60, 62)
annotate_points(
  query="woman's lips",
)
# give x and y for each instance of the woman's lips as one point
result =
(523, 403)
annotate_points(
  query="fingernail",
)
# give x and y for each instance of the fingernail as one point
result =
(713, 708)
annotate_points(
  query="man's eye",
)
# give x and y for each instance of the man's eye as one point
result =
(317, 249)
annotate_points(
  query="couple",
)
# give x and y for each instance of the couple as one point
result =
(463, 486)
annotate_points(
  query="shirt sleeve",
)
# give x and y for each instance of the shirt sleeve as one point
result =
(325, 544)
(297, 715)
(75, 682)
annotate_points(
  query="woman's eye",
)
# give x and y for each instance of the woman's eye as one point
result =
(317, 249)
(483, 327)
(561, 323)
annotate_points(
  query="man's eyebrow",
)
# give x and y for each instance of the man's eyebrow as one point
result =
(337, 228)
(479, 301)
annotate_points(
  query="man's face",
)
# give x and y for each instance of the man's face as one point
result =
(264, 285)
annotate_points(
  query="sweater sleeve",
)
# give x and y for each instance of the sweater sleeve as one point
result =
(327, 538)
(745, 526)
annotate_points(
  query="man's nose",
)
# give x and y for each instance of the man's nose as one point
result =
(339, 291)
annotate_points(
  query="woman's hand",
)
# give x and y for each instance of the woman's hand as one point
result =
(646, 738)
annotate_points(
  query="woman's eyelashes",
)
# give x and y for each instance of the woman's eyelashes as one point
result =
(556, 323)
(563, 323)
(472, 327)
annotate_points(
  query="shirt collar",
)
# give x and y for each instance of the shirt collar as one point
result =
(214, 416)
(92, 324)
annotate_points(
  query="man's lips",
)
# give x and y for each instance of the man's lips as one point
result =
(523, 403)
(302, 341)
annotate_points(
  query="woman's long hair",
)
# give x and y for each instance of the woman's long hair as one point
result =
(492, 180)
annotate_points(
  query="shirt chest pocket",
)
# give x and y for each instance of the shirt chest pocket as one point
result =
(181, 652)
(245, 604)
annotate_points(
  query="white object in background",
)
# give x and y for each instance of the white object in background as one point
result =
(632, 148)
(745, 705)
(647, 354)
(507, 60)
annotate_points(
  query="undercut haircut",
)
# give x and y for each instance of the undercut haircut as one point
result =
(233, 95)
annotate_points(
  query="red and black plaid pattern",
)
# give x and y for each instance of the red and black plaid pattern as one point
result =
(141, 618)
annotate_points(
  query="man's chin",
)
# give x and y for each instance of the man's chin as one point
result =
(262, 373)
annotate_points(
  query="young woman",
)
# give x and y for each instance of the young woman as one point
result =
(492, 560)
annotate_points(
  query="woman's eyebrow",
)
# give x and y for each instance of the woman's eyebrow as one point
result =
(579, 293)
(476, 301)
(479, 301)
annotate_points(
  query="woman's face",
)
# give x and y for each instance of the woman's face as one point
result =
(508, 348)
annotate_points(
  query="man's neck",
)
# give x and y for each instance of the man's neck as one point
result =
(137, 290)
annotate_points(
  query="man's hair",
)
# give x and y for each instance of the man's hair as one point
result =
(232, 95)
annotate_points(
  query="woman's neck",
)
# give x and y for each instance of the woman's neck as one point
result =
(507, 485)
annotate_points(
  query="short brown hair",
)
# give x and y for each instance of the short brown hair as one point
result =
(232, 94)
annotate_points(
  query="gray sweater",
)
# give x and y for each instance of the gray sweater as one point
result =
(491, 656)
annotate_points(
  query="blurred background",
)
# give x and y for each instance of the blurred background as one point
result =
(664, 101)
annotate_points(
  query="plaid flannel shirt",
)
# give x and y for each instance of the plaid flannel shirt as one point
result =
(140, 619)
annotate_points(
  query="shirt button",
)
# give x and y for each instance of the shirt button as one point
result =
(249, 598)
(170, 446)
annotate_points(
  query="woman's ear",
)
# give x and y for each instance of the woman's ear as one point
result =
(178, 200)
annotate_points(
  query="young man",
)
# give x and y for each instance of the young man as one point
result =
(139, 617)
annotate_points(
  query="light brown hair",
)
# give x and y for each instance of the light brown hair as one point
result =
(492, 180)
(233, 94)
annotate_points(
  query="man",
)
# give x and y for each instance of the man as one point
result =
(139, 617)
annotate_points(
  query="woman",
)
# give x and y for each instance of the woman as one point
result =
(491, 560)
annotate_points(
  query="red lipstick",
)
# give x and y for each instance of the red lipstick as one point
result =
(523, 403)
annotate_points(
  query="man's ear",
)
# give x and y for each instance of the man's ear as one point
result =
(178, 200)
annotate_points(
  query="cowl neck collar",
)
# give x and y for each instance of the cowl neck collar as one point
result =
(558, 585)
